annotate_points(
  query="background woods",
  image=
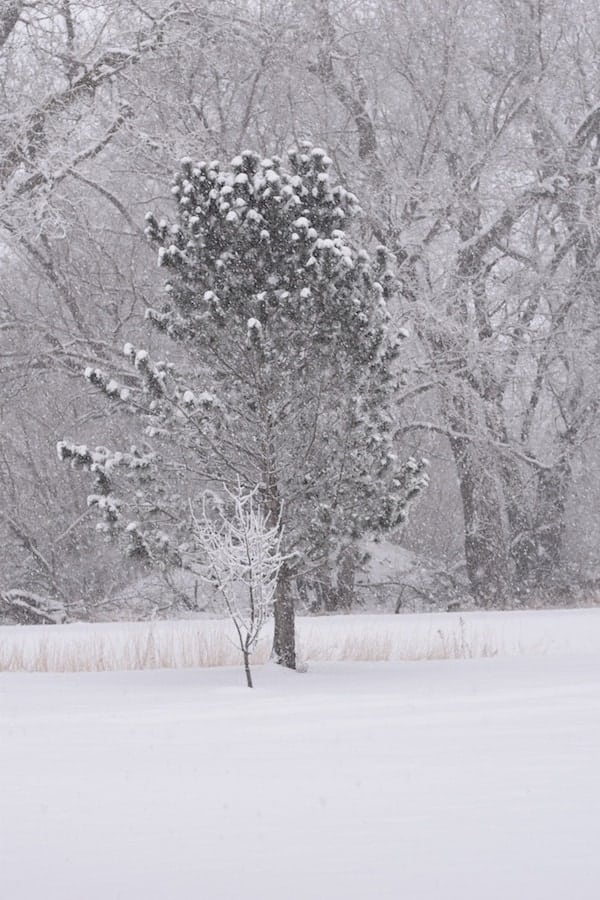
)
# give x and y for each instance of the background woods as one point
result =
(470, 133)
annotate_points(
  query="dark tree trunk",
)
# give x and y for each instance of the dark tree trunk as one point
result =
(537, 525)
(284, 637)
(485, 543)
(521, 540)
(346, 578)
(553, 486)
(247, 668)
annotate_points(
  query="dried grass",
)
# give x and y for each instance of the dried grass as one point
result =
(386, 644)
(178, 645)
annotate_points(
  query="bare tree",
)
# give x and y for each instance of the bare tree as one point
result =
(238, 551)
(479, 146)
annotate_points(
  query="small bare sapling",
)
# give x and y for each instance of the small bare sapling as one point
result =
(239, 553)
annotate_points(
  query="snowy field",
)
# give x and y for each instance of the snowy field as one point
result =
(457, 779)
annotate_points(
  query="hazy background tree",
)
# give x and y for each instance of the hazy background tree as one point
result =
(440, 109)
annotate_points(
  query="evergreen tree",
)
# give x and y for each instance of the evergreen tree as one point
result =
(282, 374)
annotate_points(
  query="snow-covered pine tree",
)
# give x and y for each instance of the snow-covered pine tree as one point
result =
(283, 371)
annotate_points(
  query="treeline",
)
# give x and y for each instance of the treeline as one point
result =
(470, 134)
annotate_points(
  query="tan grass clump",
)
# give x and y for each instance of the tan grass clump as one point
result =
(208, 643)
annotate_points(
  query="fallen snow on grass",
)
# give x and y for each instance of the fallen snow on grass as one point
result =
(210, 642)
(437, 780)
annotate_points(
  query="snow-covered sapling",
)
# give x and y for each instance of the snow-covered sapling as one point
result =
(239, 553)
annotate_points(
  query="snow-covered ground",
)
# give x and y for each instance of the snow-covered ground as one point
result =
(457, 778)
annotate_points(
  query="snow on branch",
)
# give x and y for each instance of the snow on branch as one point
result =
(28, 607)
(101, 462)
(239, 550)
(108, 385)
